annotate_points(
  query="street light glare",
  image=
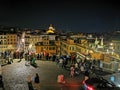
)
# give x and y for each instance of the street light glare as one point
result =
(30, 45)
(23, 40)
(111, 44)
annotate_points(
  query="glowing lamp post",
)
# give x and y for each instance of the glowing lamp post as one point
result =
(23, 42)
(29, 48)
(111, 47)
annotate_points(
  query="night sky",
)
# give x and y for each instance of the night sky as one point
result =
(79, 16)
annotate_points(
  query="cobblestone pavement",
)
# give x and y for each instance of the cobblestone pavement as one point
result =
(15, 76)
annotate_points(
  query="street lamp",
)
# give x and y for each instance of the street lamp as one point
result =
(23, 43)
(111, 47)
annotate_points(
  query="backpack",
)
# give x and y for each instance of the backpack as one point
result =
(37, 80)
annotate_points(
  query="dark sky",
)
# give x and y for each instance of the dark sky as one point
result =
(82, 15)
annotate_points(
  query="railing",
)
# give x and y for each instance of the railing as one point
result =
(111, 67)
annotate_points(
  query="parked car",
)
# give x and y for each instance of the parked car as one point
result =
(98, 83)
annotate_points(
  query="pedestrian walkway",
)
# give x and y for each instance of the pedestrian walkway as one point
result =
(15, 75)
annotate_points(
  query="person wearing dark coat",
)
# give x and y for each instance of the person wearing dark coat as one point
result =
(37, 82)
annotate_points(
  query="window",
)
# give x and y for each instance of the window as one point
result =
(71, 48)
(51, 48)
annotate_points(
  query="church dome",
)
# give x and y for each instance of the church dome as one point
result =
(51, 27)
(50, 30)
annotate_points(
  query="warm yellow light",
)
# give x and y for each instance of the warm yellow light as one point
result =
(111, 44)
(30, 46)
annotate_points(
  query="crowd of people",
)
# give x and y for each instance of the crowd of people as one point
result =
(74, 64)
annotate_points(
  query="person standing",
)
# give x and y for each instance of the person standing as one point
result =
(72, 70)
(0, 70)
(61, 62)
(29, 80)
(37, 82)
(86, 75)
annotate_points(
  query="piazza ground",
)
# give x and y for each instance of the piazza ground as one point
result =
(15, 76)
